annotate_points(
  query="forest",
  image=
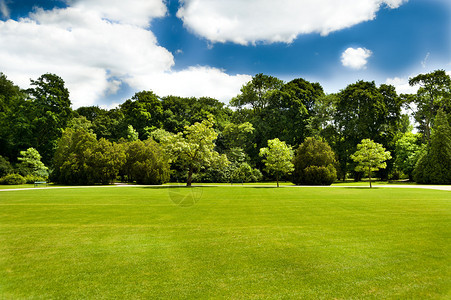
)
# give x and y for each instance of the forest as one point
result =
(272, 130)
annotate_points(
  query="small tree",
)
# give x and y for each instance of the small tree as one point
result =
(370, 156)
(278, 156)
(30, 163)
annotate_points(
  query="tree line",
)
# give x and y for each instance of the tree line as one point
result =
(152, 139)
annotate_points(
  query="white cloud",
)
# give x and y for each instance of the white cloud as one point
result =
(4, 10)
(197, 82)
(355, 58)
(95, 56)
(402, 85)
(250, 21)
(136, 12)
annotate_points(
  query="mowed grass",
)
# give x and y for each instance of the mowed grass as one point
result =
(225, 242)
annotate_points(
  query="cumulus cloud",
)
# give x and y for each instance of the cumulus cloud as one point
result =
(250, 21)
(136, 12)
(402, 85)
(355, 58)
(95, 54)
(4, 10)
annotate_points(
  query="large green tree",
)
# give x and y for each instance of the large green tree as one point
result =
(365, 111)
(434, 164)
(50, 110)
(434, 93)
(146, 162)
(144, 111)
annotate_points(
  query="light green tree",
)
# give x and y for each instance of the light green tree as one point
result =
(193, 148)
(277, 158)
(370, 156)
(30, 163)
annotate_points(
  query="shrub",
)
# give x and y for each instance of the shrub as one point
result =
(314, 163)
(12, 179)
(320, 175)
(33, 178)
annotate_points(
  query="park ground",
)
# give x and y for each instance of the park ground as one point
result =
(214, 241)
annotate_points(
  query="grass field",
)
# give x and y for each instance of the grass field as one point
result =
(220, 242)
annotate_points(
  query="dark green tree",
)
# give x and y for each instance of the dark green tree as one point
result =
(49, 113)
(434, 164)
(365, 111)
(144, 111)
(314, 163)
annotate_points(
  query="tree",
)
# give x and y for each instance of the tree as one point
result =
(144, 110)
(70, 161)
(30, 163)
(146, 162)
(194, 148)
(49, 114)
(5, 166)
(434, 164)
(370, 156)
(434, 93)
(277, 158)
(257, 92)
(365, 111)
(82, 159)
(314, 163)
(408, 149)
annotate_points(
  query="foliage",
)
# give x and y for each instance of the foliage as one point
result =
(146, 163)
(30, 163)
(70, 163)
(49, 114)
(434, 164)
(370, 156)
(408, 149)
(434, 94)
(33, 178)
(314, 163)
(5, 166)
(132, 134)
(365, 111)
(277, 158)
(12, 179)
(143, 110)
(194, 148)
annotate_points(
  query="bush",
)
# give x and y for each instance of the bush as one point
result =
(320, 175)
(314, 163)
(33, 178)
(12, 179)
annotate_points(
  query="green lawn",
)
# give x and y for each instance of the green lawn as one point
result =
(221, 242)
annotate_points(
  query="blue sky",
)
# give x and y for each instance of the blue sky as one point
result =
(107, 50)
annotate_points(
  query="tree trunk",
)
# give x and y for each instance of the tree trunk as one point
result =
(277, 178)
(190, 177)
(369, 175)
